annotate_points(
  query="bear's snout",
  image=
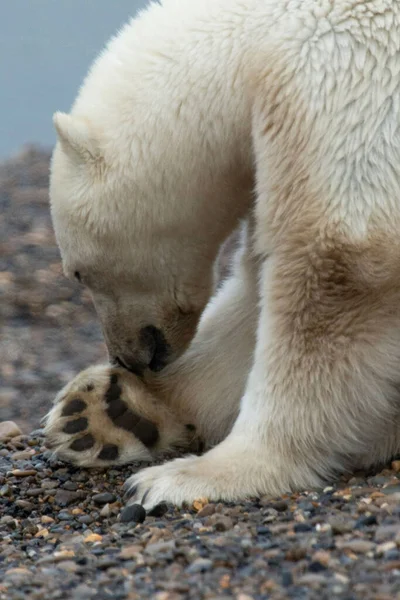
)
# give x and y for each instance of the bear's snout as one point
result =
(152, 352)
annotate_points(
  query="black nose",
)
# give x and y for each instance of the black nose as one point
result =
(156, 345)
(152, 352)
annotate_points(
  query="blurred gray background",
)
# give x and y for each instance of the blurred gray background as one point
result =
(46, 47)
(48, 328)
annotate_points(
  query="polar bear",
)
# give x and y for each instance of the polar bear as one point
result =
(202, 116)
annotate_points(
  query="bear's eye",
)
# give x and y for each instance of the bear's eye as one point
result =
(77, 276)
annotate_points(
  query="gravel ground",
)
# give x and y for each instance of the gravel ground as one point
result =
(62, 537)
(61, 530)
(49, 331)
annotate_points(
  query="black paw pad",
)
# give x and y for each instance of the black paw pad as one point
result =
(109, 452)
(114, 390)
(73, 407)
(126, 419)
(76, 426)
(133, 512)
(147, 432)
(84, 443)
(191, 427)
(116, 409)
(141, 427)
(159, 510)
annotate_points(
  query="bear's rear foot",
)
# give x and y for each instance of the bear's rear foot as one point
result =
(107, 416)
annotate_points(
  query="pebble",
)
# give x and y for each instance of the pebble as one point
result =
(9, 429)
(92, 538)
(160, 547)
(200, 565)
(206, 511)
(339, 525)
(105, 511)
(21, 456)
(17, 573)
(387, 532)
(72, 486)
(391, 489)
(49, 484)
(83, 592)
(310, 579)
(385, 548)
(5, 490)
(130, 552)
(28, 506)
(220, 522)
(104, 498)
(68, 565)
(45, 519)
(64, 516)
(34, 492)
(65, 497)
(85, 519)
(357, 546)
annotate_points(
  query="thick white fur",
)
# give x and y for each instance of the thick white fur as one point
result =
(193, 106)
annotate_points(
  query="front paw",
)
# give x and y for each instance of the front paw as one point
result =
(180, 481)
(107, 416)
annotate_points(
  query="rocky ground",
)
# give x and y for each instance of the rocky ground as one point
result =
(62, 535)
(48, 328)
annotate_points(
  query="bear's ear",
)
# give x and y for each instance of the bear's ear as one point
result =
(76, 137)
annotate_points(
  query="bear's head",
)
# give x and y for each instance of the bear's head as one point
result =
(149, 273)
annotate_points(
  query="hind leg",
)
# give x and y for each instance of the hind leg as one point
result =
(107, 416)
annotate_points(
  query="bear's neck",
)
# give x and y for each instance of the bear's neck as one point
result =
(174, 109)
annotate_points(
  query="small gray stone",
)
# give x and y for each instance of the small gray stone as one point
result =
(5, 491)
(83, 592)
(35, 492)
(49, 484)
(64, 516)
(65, 498)
(104, 498)
(391, 489)
(24, 504)
(85, 519)
(340, 526)
(160, 547)
(312, 579)
(387, 532)
(356, 546)
(200, 565)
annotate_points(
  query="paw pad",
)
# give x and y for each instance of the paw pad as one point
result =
(95, 424)
(126, 419)
(76, 426)
(77, 405)
(83, 443)
(109, 452)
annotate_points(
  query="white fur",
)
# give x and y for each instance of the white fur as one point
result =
(203, 112)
